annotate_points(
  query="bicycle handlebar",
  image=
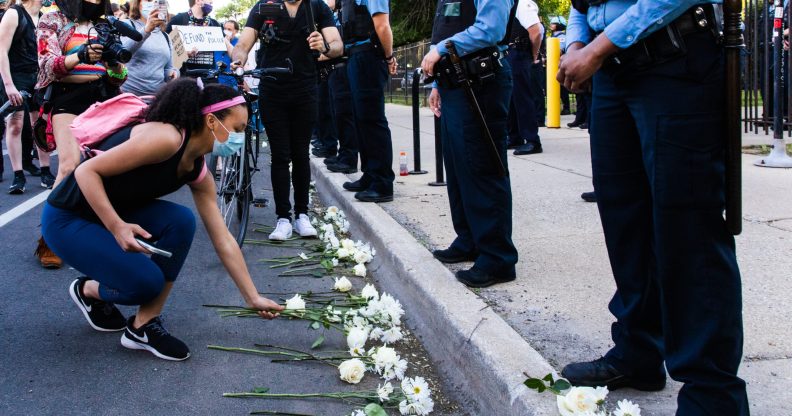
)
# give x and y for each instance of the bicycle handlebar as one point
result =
(239, 73)
(7, 104)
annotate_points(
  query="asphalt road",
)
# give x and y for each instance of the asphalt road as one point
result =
(53, 363)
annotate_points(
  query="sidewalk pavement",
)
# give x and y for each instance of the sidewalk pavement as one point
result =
(558, 304)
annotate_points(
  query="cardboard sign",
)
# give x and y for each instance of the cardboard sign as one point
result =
(202, 38)
(177, 46)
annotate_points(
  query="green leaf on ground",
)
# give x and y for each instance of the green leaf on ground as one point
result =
(560, 385)
(374, 409)
(535, 384)
(319, 341)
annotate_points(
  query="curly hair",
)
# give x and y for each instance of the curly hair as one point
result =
(180, 102)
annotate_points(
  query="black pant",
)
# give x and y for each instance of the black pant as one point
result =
(326, 126)
(344, 114)
(289, 119)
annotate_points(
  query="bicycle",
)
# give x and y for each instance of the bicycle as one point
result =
(234, 181)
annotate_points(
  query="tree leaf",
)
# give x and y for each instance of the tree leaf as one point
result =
(318, 342)
(374, 409)
(316, 325)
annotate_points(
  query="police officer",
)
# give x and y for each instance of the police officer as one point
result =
(657, 130)
(525, 41)
(479, 196)
(369, 44)
(290, 30)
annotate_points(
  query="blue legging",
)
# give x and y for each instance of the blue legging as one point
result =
(124, 278)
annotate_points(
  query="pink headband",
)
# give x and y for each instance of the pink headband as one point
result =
(222, 105)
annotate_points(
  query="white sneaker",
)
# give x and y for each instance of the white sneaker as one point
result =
(283, 230)
(303, 226)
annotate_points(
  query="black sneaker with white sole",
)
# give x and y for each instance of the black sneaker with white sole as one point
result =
(154, 338)
(102, 316)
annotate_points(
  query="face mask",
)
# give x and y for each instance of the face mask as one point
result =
(46, 3)
(229, 147)
(206, 8)
(227, 32)
(147, 8)
(91, 11)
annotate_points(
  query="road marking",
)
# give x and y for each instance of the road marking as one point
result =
(22, 208)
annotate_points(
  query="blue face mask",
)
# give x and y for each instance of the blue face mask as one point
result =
(229, 147)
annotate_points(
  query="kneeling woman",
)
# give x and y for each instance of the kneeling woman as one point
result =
(93, 218)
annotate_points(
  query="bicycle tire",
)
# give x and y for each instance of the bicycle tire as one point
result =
(234, 193)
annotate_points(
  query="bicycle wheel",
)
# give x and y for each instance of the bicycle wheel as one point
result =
(234, 193)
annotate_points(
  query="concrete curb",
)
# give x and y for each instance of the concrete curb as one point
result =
(480, 354)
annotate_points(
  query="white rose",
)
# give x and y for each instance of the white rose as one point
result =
(356, 337)
(334, 262)
(627, 408)
(348, 244)
(362, 257)
(303, 256)
(295, 303)
(369, 292)
(577, 400)
(342, 253)
(342, 285)
(334, 241)
(359, 270)
(352, 371)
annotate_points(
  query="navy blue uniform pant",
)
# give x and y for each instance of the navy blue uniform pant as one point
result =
(325, 122)
(124, 278)
(523, 125)
(480, 199)
(368, 74)
(344, 115)
(658, 161)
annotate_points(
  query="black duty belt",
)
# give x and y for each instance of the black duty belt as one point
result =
(522, 44)
(668, 43)
(479, 66)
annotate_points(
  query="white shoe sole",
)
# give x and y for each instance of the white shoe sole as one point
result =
(134, 345)
(307, 234)
(274, 237)
(79, 304)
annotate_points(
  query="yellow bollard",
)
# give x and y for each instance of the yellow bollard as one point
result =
(553, 87)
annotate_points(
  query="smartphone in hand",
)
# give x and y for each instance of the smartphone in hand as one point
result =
(153, 249)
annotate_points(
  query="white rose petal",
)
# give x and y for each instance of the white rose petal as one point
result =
(369, 292)
(360, 270)
(362, 257)
(348, 244)
(627, 408)
(352, 371)
(358, 413)
(577, 400)
(303, 256)
(357, 337)
(342, 253)
(342, 285)
(335, 262)
(295, 303)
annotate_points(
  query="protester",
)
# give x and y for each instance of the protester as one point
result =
(197, 15)
(112, 199)
(151, 65)
(230, 38)
(368, 40)
(18, 69)
(657, 154)
(525, 40)
(478, 193)
(73, 76)
(288, 102)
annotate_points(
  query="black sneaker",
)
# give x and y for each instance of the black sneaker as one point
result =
(154, 338)
(102, 316)
(18, 186)
(32, 169)
(47, 180)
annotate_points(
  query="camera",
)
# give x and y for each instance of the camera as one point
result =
(108, 34)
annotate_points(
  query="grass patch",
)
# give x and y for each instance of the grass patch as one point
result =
(762, 149)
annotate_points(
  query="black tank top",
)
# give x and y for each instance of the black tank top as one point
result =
(23, 54)
(129, 189)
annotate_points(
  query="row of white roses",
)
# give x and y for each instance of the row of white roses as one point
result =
(590, 401)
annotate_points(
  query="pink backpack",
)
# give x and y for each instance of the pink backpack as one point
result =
(103, 119)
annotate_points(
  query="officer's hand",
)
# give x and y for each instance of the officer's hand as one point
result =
(429, 62)
(317, 43)
(579, 64)
(434, 102)
(193, 52)
(393, 65)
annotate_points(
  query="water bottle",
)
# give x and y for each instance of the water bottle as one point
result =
(403, 164)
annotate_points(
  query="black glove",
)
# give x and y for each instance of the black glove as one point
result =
(82, 54)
